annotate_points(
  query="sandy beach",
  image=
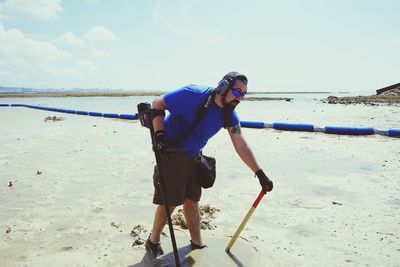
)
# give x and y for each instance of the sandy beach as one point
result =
(78, 191)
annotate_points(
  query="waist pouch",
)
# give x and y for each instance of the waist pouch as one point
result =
(205, 171)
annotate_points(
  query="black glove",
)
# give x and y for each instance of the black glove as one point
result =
(160, 142)
(265, 182)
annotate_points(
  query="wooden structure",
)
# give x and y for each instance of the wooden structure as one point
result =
(380, 91)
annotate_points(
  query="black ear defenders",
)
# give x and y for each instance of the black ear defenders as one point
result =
(223, 86)
(227, 82)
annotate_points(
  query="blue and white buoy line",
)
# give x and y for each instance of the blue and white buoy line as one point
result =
(77, 112)
(327, 129)
(283, 126)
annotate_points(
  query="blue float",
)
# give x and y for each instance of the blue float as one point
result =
(394, 132)
(293, 126)
(128, 116)
(80, 112)
(110, 115)
(96, 114)
(251, 124)
(17, 105)
(349, 130)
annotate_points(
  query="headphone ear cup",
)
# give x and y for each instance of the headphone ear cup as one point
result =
(223, 86)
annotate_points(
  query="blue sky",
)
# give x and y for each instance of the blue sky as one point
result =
(307, 45)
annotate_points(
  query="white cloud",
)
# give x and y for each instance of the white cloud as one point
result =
(71, 39)
(17, 46)
(26, 61)
(88, 66)
(99, 34)
(95, 53)
(39, 9)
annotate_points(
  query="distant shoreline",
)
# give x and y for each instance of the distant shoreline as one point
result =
(373, 100)
(282, 93)
(117, 94)
(79, 94)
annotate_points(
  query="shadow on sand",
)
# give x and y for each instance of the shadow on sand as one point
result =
(186, 259)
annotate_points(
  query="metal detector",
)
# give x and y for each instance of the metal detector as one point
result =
(146, 120)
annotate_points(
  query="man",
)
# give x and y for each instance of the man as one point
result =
(178, 168)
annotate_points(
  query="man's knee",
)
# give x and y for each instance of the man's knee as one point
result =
(161, 209)
(190, 203)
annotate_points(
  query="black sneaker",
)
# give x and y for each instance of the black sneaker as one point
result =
(153, 249)
(195, 246)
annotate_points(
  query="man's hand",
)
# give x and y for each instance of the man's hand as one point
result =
(265, 182)
(160, 142)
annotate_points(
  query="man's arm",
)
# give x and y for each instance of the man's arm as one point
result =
(159, 104)
(245, 153)
(241, 147)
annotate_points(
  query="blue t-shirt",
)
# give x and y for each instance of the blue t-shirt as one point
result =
(184, 105)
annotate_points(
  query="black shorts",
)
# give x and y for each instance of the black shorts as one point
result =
(178, 172)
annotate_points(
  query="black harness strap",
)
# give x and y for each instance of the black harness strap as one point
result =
(228, 117)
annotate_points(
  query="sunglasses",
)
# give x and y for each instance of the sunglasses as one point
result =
(238, 93)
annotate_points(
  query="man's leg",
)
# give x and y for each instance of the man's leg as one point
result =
(160, 220)
(192, 216)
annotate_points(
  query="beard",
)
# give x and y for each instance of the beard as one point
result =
(231, 104)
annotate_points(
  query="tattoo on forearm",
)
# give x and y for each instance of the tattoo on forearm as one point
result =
(236, 129)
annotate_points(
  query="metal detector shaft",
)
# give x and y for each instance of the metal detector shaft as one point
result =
(146, 119)
(168, 213)
(245, 220)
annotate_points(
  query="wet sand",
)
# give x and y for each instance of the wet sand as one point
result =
(72, 191)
